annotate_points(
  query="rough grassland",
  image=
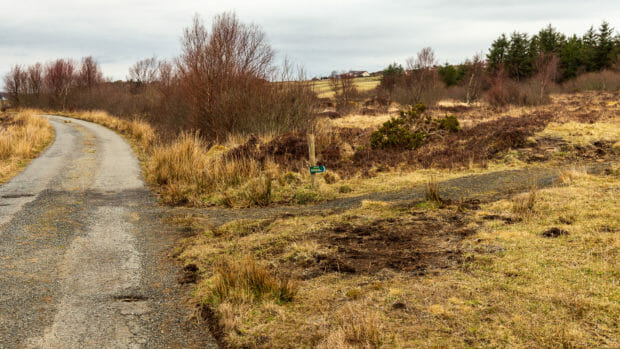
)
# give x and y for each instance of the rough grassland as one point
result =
(22, 137)
(492, 278)
(536, 269)
(322, 89)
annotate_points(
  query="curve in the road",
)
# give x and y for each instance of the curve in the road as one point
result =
(83, 251)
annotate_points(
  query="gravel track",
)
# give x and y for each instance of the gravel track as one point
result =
(484, 187)
(83, 252)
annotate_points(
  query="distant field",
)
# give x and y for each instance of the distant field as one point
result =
(323, 90)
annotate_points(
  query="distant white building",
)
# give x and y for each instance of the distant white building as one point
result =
(359, 73)
(353, 73)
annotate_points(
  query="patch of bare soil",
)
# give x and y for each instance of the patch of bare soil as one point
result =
(415, 242)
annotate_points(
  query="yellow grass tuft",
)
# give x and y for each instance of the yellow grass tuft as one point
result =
(186, 170)
(358, 328)
(22, 137)
(246, 281)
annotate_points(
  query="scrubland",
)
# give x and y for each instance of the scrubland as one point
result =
(473, 205)
(532, 269)
(22, 137)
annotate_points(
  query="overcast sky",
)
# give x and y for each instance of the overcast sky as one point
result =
(322, 35)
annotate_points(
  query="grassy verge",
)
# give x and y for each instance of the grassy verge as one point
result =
(537, 270)
(22, 137)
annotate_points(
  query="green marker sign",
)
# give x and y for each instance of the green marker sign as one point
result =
(317, 169)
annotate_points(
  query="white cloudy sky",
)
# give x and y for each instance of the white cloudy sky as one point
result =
(323, 35)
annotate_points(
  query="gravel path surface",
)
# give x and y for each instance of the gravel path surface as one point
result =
(484, 187)
(83, 252)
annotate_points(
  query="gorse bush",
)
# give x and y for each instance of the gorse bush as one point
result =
(395, 134)
(400, 133)
(449, 123)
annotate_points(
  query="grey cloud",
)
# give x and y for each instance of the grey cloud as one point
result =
(323, 35)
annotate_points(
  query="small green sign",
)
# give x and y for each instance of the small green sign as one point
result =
(317, 169)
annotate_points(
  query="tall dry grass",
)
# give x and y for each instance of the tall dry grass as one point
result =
(186, 169)
(138, 130)
(22, 137)
(183, 170)
(243, 281)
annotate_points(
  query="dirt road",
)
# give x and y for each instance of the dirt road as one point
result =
(83, 252)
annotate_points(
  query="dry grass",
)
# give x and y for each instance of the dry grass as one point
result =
(22, 137)
(137, 130)
(523, 205)
(361, 121)
(245, 281)
(516, 288)
(583, 133)
(187, 171)
(323, 90)
(357, 328)
(183, 171)
(432, 190)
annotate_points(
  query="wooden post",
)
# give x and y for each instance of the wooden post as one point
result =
(312, 157)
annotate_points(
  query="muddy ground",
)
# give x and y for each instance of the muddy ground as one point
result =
(417, 242)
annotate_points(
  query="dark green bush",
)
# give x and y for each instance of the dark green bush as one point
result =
(449, 123)
(395, 134)
(400, 133)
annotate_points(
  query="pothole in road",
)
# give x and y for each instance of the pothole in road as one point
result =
(130, 298)
(16, 196)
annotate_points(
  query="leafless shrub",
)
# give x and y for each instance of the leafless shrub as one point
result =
(345, 91)
(547, 73)
(605, 80)
(224, 80)
(142, 73)
(15, 83)
(420, 82)
(474, 77)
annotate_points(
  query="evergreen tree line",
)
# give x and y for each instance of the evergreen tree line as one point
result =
(521, 55)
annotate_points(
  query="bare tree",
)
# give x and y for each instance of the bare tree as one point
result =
(90, 74)
(424, 60)
(35, 79)
(344, 89)
(474, 77)
(59, 79)
(15, 82)
(421, 80)
(166, 73)
(144, 71)
(547, 72)
(222, 72)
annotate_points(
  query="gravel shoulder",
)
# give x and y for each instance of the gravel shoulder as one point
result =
(84, 253)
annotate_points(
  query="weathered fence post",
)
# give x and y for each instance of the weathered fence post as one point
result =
(312, 157)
